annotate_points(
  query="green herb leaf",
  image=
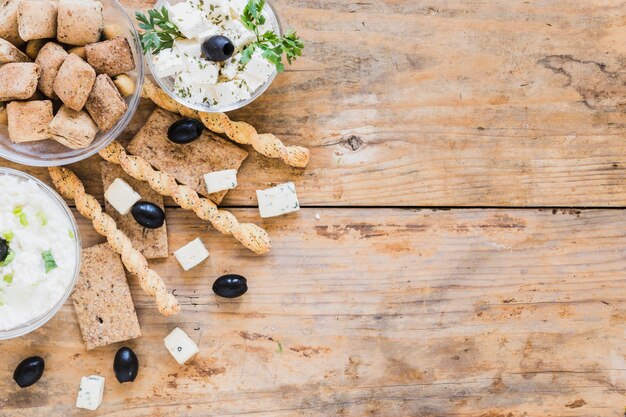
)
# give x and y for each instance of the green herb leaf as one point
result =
(23, 219)
(159, 33)
(8, 236)
(8, 278)
(71, 234)
(9, 258)
(17, 210)
(42, 218)
(48, 260)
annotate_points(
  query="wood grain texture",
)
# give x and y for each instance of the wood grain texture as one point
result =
(410, 102)
(370, 312)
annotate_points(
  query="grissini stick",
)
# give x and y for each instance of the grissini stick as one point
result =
(243, 133)
(70, 186)
(250, 235)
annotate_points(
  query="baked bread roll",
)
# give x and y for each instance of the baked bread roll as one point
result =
(9, 29)
(105, 104)
(112, 57)
(18, 80)
(37, 19)
(50, 59)
(9, 53)
(79, 22)
(74, 82)
(74, 129)
(29, 120)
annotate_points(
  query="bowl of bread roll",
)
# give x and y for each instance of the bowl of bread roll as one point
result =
(71, 73)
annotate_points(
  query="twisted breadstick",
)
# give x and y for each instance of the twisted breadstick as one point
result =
(250, 235)
(240, 132)
(70, 186)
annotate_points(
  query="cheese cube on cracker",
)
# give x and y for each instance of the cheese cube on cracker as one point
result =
(121, 196)
(9, 53)
(18, 80)
(191, 254)
(74, 129)
(74, 82)
(90, 392)
(220, 180)
(279, 200)
(50, 58)
(113, 57)
(181, 346)
(105, 104)
(80, 22)
(37, 19)
(29, 120)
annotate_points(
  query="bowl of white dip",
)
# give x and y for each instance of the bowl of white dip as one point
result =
(40, 253)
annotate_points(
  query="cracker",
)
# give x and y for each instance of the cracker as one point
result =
(28, 120)
(37, 19)
(187, 163)
(102, 299)
(79, 22)
(9, 53)
(74, 82)
(74, 129)
(152, 243)
(112, 57)
(50, 58)
(105, 103)
(8, 22)
(18, 80)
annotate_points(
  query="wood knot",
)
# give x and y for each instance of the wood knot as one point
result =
(353, 142)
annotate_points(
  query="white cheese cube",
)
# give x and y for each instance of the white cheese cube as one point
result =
(256, 72)
(168, 63)
(202, 72)
(239, 34)
(189, 18)
(230, 68)
(121, 196)
(216, 11)
(210, 31)
(220, 180)
(181, 346)
(230, 92)
(90, 392)
(237, 6)
(279, 200)
(191, 254)
(188, 48)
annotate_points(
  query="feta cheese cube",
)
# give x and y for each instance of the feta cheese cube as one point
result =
(216, 11)
(238, 34)
(90, 392)
(188, 48)
(210, 31)
(181, 346)
(220, 180)
(191, 254)
(230, 68)
(189, 18)
(256, 72)
(168, 63)
(202, 72)
(121, 196)
(230, 92)
(237, 6)
(281, 199)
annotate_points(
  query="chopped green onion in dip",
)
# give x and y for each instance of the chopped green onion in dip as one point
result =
(49, 261)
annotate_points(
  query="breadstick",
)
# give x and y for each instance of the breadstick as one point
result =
(70, 186)
(250, 235)
(240, 132)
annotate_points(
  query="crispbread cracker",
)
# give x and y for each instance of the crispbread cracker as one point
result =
(187, 163)
(152, 243)
(102, 300)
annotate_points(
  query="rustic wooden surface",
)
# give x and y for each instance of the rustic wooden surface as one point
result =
(386, 309)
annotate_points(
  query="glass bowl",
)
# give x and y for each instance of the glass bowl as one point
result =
(48, 152)
(167, 83)
(42, 319)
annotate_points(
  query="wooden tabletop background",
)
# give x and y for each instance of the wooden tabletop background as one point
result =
(467, 166)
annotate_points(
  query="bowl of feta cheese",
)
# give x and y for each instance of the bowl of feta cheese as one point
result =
(217, 55)
(40, 253)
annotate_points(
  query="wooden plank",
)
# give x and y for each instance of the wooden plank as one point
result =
(386, 312)
(406, 103)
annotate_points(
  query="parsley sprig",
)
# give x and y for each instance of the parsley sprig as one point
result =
(272, 45)
(159, 33)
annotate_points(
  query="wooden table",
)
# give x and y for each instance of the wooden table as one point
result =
(468, 163)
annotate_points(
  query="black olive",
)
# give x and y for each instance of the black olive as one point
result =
(29, 371)
(185, 131)
(4, 250)
(230, 286)
(147, 214)
(218, 48)
(125, 365)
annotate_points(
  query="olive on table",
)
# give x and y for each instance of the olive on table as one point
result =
(218, 48)
(29, 371)
(125, 365)
(4, 250)
(230, 286)
(147, 214)
(185, 131)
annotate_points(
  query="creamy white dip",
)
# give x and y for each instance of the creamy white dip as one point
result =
(36, 228)
(213, 83)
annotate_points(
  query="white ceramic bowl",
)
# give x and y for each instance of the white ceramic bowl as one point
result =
(167, 83)
(39, 321)
(51, 153)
